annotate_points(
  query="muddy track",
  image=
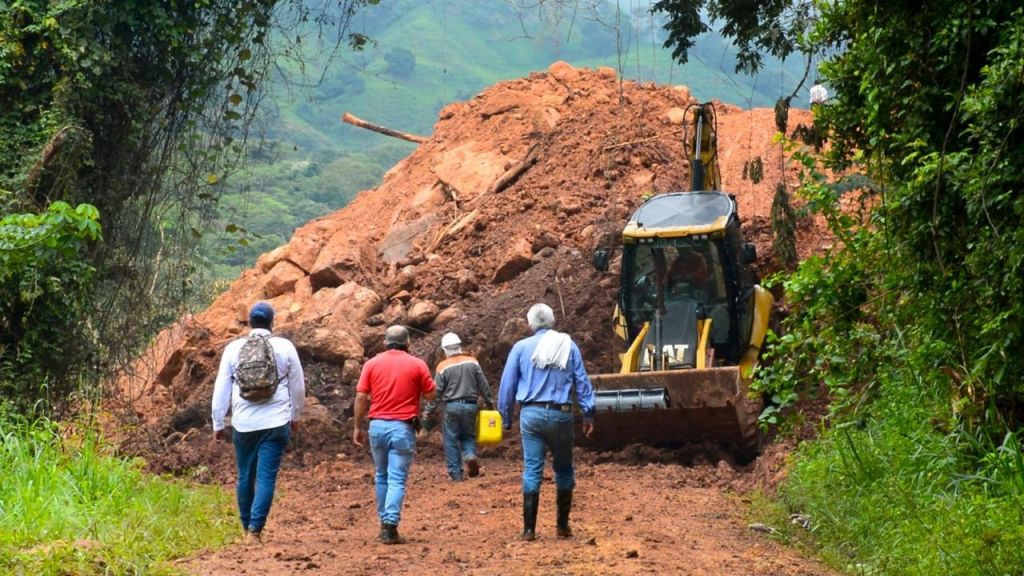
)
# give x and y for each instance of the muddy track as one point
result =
(628, 518)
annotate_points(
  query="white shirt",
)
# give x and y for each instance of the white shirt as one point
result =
(284, 407)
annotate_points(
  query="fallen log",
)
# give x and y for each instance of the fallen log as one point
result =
(355, 121)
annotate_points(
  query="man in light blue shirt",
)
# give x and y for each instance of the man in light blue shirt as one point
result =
(540, 374)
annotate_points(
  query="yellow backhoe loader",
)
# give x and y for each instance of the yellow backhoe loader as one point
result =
(692, 316)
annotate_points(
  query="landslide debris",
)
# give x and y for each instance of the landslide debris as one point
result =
(501, 208)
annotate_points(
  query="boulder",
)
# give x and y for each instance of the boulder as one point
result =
(518, 259)
(422, 313)
(345, 305)
(350, 371)
(267, 260)
(314, 411)
(400, 240)
(466, 282)
(395, 313)
(444, 317)
(545, 239)
(674, 116)
(304, 249)
(281, 278)
(344, 258)
(563, 72)
(329, 344)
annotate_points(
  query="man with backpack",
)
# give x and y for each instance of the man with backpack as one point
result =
(261, 379)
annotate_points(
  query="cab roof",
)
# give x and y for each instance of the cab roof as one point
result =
(681, 213)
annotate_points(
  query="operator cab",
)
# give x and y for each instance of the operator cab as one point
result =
(684, 264)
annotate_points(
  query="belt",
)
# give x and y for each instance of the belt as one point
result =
(550, 406)
(461, 401)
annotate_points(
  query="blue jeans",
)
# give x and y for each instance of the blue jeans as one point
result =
(392, 443)
(258, 457)
(459, 436)
(544, 429)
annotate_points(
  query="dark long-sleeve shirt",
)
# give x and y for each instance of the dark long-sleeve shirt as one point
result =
(460, 378)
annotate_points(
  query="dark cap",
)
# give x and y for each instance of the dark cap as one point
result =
(261, 312)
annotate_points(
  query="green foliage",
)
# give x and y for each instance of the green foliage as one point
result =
(45, 294)
(913, 322)
(894, 497)
(67, 507)
(140, 109)
(783, 227)
(757, 28)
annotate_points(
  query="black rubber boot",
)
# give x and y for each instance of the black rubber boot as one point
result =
(563, 499)
(530, 502)
(389, 534)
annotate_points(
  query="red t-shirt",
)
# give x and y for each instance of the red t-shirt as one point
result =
(394, 380)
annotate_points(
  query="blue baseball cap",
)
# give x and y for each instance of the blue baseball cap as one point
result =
(261, 311)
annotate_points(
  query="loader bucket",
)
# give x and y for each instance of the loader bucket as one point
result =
(675, 407)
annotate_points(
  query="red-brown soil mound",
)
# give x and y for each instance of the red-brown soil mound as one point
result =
(500, 209)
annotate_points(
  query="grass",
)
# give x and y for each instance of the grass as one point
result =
(895, 496)
(66, 507)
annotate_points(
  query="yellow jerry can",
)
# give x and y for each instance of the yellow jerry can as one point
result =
(488, 427)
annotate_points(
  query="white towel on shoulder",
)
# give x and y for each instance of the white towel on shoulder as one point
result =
(552, 351)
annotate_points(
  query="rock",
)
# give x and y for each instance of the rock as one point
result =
(304, 248)
(466, 282)
(546, 252)
(344, 306)
(395, 313)
(281, 278)
(563, 72)
(682, 93)
(422, 313)
(545, 239)
(314, 411)
(373, 340)
(402, 296)
(515, 261)
(350, 371)
(343, 258)
(329, 344)
(674, 116)
(405, 279)
(267, 261)
(400, 240)
(445, 317)
(607, 72)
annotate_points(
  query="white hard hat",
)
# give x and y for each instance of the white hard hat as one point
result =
(450, 339)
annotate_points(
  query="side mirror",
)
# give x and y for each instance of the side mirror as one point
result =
(600, 260)
(749, 253)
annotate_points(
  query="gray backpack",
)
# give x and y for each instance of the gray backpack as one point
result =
(256, 373)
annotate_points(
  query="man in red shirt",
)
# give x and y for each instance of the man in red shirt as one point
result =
(389, 393)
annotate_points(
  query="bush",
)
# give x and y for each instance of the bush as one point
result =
(70, 508)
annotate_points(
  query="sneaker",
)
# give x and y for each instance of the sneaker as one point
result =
(472, 466)
(252, 538)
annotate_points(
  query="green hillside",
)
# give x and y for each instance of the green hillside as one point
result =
(425, 55)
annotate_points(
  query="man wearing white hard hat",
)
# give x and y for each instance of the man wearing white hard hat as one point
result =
(460, 382)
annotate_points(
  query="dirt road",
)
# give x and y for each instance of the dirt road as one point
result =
(628, 518)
